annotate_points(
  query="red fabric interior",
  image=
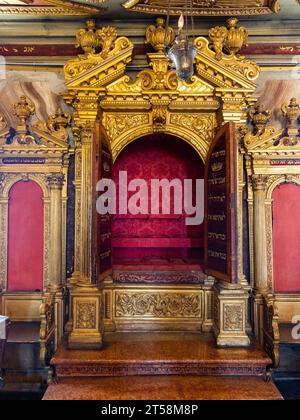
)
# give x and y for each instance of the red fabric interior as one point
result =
(286, 238)
(25, 237)
(157, 239)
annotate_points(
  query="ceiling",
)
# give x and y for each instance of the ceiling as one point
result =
(113, 9)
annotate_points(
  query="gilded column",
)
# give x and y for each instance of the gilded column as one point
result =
(55, 183)
(260, 234)
(55, 286)
(86, 322)
(260, 252)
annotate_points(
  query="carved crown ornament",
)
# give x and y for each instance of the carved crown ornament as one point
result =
(153, 100)
(265, 138)
(27, 136)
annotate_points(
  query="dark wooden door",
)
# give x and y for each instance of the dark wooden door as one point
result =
(221, 206)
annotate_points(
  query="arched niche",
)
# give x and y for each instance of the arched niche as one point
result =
(286, 238)
(25, 247)
(161, 241)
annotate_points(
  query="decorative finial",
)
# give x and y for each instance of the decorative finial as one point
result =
(59, 120)
(87, 38)
(237, 38)
(229, 39)
(291, 113)
(218, 36)
(24, 109)
(259, 118)
(93, 40)
(158, 36)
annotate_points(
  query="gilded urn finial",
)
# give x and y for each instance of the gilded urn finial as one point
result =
(23, 110)
(158, 36)
(236, 38)
(259, 117)
(291, 113)
(87, 38)
(229, 39)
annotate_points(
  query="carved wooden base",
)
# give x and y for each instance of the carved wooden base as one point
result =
(142, 307)
(168, 388)
(86, 327)
(230, 315)
(134, 354)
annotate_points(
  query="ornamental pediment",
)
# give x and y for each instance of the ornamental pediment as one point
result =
(218, 65)
(40, 137)
(266, 139)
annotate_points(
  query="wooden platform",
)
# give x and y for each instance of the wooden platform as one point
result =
(134, 354)
(163, 388)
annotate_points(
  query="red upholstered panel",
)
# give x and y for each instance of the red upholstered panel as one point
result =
(165, 236)
(25, 237)
(286, 238)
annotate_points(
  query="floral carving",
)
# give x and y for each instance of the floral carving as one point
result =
(118, 124)
(86, 315)
(233, 318)
(160, 305)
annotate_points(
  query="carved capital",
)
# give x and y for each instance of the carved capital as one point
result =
(56, 181)
(259, 182)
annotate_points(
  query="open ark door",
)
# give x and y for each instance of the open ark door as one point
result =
(221, 206)
(101, 224)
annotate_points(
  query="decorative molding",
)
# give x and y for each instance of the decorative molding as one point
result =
(51, 8)
(205, 8)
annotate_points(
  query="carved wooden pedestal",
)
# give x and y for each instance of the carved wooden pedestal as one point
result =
(230, 315)
(87, 330)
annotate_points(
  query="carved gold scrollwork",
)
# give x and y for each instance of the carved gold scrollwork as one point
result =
(158, 305)
(233, 317)
(86, 315)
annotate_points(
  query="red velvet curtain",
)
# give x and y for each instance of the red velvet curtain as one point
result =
(25, 237)
(162, 236)
(286, 238)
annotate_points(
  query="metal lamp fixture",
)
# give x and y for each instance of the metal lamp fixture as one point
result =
(182, 52)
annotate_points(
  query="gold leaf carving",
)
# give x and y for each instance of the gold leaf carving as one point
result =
(233, 318)
(203, 125)
(86, 315)
(160, 305)
(118, 124)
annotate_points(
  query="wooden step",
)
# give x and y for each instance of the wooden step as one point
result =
(133, 354)
(163, 388)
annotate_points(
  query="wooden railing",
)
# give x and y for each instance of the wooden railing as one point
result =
(47, 328)
(271, 335)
